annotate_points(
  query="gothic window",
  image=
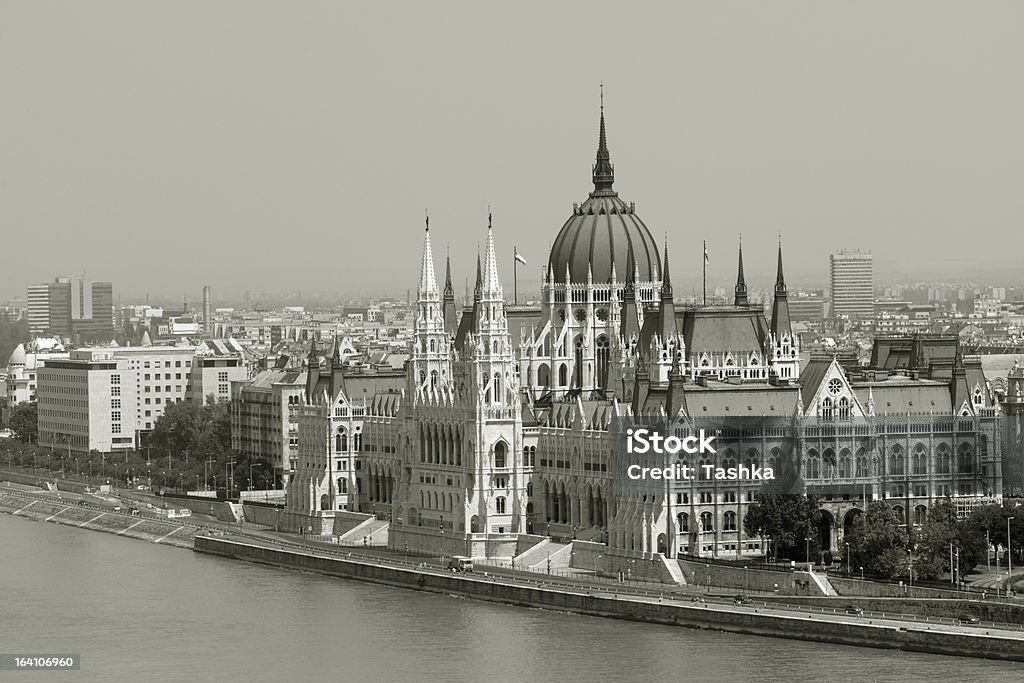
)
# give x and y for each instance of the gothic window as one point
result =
(965, 459)
(497, 388)
(543, 375)
(683, 522)
(581, 314)
(896, 461)
(563, 375)
(844, 464)
(828, 461)
(433, 379)
(942, 459)
(835, 385)
(862, 463)
(499, 454)
(341, 442)
(919, 459)
(707, 523)
(431, 345)
(602, 362)
(342, 485)
(813, 465)
(844, 408)
(827, 410)
(499, 505)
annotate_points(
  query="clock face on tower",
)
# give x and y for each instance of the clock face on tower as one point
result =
(835, 386)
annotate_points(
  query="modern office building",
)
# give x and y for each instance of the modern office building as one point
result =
(72, 307)
(851, 276)
(109, 398)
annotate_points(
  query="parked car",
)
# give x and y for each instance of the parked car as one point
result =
(854, 610)
(134, 511)
(117, 508)
(968, 620)
(742, 600)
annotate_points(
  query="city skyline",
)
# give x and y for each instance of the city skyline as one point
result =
(772, 129)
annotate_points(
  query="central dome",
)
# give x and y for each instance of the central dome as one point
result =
(601, 232)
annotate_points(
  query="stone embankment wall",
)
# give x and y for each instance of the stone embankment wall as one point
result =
(146, 527)
(911, 638)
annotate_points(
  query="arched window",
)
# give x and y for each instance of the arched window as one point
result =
(342, 485)
(827, 411)
(862, 463)
(683, 522)
(812, 470)
(899, 514)
(563, 375)
(707, 522)
(965, 459)
(602, 361)
(729, 520)
(943, 460)
(497, 388)
(340, 442)
(919, 460)
(529, 489)
(920, 515)
(499, 454)
(324, 502)
(543, 375)
(499, 505)
(896, 461)
(433, 378)
(845, 469)
(844, 408)
(828, 461)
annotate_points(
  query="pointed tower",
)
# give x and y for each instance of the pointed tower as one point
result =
(666, 344)
(784, 348)
(430, 358)
(630, 330)
(741, 283)
(451, 323)
(604, 172)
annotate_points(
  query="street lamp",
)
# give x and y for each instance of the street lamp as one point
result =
(847, 559)
(862, 573)
(910, 564)
(746, 580)
(807, 552)
(1009, 555)
(597, 559)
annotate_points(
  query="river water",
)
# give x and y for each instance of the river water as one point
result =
(138, 611)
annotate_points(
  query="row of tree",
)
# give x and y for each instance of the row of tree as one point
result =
(188, 449)
(883, 547)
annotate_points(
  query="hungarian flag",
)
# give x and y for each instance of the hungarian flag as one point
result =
(518, 257)
(706, 261)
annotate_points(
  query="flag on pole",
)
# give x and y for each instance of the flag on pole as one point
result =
(706, 261)
(519, 258)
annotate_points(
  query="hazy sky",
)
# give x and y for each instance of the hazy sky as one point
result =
(295, 145)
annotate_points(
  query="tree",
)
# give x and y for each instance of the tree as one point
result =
(942, 531)
(878, 543)
(24, 422)
(788, 519)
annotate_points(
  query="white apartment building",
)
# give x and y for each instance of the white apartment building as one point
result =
(108, 398)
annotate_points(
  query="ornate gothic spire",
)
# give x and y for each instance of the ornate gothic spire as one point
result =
(666, 281)
(780, 280)
(604, 172)
(428, 283)
(741, 283)
(449, 291)
(491, 286)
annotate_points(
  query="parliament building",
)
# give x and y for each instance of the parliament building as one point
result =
(499, 434)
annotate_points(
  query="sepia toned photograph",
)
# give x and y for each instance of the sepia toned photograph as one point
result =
(461, 341)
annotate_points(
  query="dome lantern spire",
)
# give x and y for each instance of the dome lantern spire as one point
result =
(604, 172)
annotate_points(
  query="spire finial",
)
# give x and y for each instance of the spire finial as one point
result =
(741, 283)
(488, 216)
(426, 215)
(780, 280)
(604, 172)
(666, 279)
